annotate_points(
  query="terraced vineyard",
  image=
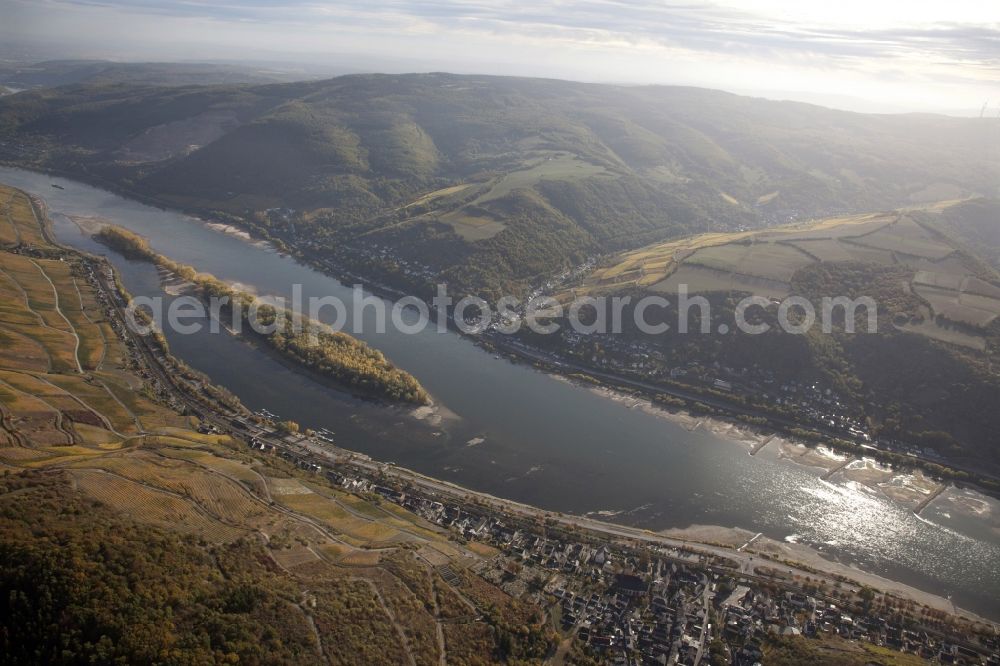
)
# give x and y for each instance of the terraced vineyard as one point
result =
(87, 455)
(492, 184)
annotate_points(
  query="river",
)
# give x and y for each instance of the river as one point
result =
(518, 433)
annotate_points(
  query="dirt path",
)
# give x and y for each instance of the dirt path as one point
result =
(72, 331)
(930, 498)
(314, 629)
(458, 593)
(108, 425)
(48, 354)
(60, 422)
(324, 532)
(10, 220)
(392, 618)
(268, 504)
(443, 660)
(41, 320)
(138, 424)
(836, 469)
(561, 652)
(7, 424)
(438, 625)
(761, 444)
(104, 338)
(263, 481)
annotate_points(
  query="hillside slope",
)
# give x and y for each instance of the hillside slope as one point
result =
(489, 182)
(128, 535)
(926, 376)
(52, 73)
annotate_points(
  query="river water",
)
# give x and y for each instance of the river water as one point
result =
(521, 434)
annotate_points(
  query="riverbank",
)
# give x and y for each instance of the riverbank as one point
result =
(255, 235)
(750, 439)
(911, 489)
(313, 345)
(781, 552)
(733, 414)
(716, 410)
(595, 457)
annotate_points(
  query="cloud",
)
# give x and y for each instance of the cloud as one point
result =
(693, 26)
(637, 37)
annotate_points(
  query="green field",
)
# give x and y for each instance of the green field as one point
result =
(490, 182)
(555, 166)
(770, 261)
(956, 306)
(772, 255)
(473, 227)
(437, 195)
(906, 237)
(476, 221)
(702, 279)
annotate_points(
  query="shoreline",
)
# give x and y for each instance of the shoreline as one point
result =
(811, 558)
(714, 539)
(913, 496)
(386, 382)
(717, 425)
(913, 491)
(252, 236)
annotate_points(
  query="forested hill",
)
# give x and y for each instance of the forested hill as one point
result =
(52, 73)
(490, 182)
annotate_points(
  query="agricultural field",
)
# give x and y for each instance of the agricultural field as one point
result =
(974, 285)
(958, 304)
(474, 220)
(18, 224)
(905, 237)
(649, 265)
(154, 506)
(703, 279)
(437, 195)
(202, 485)
(556, 166)
(75, 425)
(473, 227)
(771, 254)
(950, 281)
(242, 471)
(952, 304)
(65, 388)
(355, 521)
(769, 261)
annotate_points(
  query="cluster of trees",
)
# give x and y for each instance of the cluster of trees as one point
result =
(125, 242)
(518, 630)
(348, 360)
(79, 583)
(661, 157)
(82, 583)
(333, 354)
(882, 283)
(974, 223)
(905, 386)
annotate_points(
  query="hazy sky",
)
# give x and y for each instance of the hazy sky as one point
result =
(869, 54)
